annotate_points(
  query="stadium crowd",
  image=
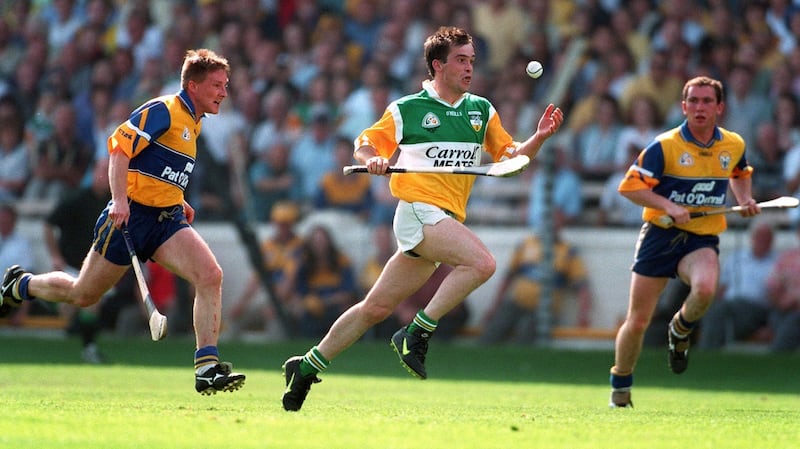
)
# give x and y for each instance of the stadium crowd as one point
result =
(309, 75)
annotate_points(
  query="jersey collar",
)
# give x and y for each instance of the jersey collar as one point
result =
(428, 87)
(687, 136)
(184, 96)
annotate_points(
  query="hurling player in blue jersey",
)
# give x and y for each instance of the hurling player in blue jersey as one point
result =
(151, 157)
(684, 170)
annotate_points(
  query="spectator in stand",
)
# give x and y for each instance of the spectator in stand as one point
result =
(746, 108)
(500, 24)
(786, 116)
(11, 51)
(363, 107)
(567, 199)
(278, 123)
(766, 158)
(657, 82)
(15, 247)
(272, 179)
(783, 287)
(346, 193)
(14, 170)
(596, 146)
(324, 284)
(614, 209)
(584, 112)
(140, 34)
(742, 307)
(514, 313)
(363, 20)
(312, 155)
(59, 162)
(280, 254)
(643, 124)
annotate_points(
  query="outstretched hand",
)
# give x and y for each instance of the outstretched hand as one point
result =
(551, 120)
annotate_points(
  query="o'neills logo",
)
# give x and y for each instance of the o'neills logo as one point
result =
(451, 157)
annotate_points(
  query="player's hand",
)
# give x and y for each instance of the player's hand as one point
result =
(679, 214)
(749, 208)
(377, 165)
(188, 211)
(119, 213)
(551, 120)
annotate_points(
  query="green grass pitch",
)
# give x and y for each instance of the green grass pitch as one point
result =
(504, 397)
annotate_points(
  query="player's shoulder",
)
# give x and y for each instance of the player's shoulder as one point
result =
(727, 134)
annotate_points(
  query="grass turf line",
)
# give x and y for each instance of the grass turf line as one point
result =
(488, 397)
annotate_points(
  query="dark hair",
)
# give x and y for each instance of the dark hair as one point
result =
(437, 45)
(199, 63)
(705, 81)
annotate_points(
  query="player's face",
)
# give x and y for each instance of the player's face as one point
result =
(456, 72)
(701, 107)
(208, 94)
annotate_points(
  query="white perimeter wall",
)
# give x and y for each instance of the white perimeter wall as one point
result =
(607, 253)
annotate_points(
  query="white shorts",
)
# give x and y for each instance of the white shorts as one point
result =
(409, 218)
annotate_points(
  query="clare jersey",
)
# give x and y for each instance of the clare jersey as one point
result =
(689, 173)
(430, 132)
(160, 138)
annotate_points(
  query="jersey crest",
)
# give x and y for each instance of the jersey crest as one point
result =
(476, 120)
(430, 121)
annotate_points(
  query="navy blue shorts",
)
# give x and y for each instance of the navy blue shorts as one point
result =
(149, 227)
(659, 250)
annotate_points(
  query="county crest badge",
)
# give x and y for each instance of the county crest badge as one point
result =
(476, 120)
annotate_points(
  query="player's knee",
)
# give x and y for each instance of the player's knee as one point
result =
(374, 313)
(704, 292)
(211, 275)
(485, 266)
(637, 325)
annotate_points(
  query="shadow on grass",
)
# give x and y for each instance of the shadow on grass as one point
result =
(719, 371)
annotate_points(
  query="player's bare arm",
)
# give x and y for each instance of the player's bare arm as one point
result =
(368, 155)
(742, 190)
(549, 123)
(118, 180)
(648, 198)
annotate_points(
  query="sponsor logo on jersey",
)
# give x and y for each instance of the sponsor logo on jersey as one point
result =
(702, 194)
(178, 177)
(430, 121)
(452, 157)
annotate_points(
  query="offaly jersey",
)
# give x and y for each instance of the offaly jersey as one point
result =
(429, 132)
(689, 173)
(160, 138)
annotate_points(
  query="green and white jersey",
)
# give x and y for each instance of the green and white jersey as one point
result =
(429, 132)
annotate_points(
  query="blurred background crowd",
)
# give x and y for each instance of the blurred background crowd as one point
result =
(307, 76)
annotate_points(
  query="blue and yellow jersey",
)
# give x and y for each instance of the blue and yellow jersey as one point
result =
(160, 138)
(689, 173)
(429, 132)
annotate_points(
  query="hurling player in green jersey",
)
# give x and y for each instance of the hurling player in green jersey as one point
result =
(442, 125)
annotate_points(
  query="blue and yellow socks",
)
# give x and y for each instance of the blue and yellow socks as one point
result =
(205, 358)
